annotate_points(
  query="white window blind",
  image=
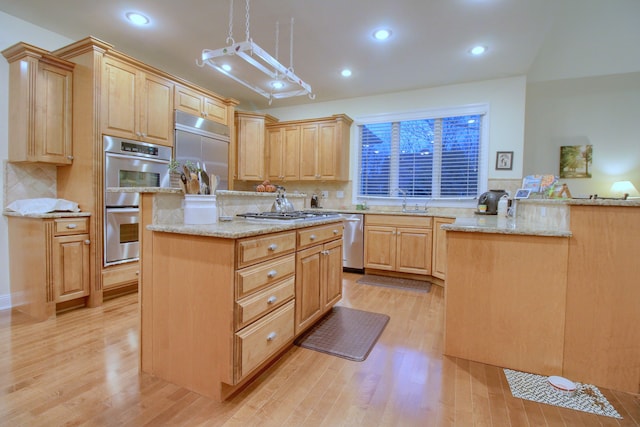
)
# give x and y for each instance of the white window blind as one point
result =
(433, 158)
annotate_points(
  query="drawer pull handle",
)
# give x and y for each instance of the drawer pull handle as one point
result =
(272, 274)
(273, 247)
(312, 237)
(72, 226)
(272, 299)
(272, 336)
(87, 242)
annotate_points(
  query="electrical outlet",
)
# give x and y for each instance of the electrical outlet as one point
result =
(324, 194)
(339, 194)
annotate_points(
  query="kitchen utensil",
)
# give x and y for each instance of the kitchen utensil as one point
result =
(214, 183)
(205, 187)
(183, 183)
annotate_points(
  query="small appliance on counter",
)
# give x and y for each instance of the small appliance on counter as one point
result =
(488, 202)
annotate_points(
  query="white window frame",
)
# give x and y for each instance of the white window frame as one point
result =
(396, 200)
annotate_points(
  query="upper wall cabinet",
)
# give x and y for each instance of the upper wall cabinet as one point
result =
(324, 149)
(250, 129)
(40, 106)
(283, 153)
(199, 104)
(136, 104)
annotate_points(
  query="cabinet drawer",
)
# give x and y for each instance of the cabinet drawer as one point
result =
(315, 235)
(261, 303)
(255, 249)
(398, 220)
(65, 226)
(259, 276)
(262, 339)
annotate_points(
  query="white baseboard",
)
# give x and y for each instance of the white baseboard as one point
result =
(5, 301)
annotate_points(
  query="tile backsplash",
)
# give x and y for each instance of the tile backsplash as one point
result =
(28, 181)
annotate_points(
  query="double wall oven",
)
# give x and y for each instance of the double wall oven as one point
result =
(128, 163)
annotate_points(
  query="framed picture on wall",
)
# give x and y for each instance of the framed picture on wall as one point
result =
(504, 160)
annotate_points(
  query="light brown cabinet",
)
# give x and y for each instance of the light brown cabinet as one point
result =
(398, 243)
(40, 113)
(283, 153)
(318, 273)
(49, 263)
(439, 261)
(136, 104)
(200, 104)
(250, 130)
(324, 149)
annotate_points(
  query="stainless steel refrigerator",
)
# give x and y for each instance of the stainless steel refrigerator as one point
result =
(203, 141)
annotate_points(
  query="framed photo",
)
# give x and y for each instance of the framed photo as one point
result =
(522, 193)
(504, 160)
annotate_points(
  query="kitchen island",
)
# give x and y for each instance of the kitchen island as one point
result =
(220, 302)
(526, 295)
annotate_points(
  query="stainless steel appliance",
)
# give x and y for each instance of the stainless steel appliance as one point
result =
(353, 242)
(128, 163)
(203, 141)
(287, 216)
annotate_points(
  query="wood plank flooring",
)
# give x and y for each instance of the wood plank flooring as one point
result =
(82, 369)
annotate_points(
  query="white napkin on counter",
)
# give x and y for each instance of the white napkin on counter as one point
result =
(42, 205)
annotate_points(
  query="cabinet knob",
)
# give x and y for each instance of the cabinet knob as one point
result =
(335, 232)
(272, 274)
(272, 247)
(72, 226)
(70, 157)
(272, 299)
(272, 336)
(87, 242)
(312, 237)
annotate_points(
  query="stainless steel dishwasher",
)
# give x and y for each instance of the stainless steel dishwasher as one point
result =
(353, 242)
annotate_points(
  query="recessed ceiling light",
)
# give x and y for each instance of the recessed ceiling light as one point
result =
(277, 84)
(478, 50)
(137, 18)
(382, 34)
(226, 67)
(346, 72)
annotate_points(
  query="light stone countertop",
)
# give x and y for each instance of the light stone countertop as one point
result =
(239, 228)
(584, 202)
(60, 214)
(495, 224)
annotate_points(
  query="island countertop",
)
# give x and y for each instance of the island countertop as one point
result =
(239, 228)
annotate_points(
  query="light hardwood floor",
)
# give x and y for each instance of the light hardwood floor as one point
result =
(82, 369)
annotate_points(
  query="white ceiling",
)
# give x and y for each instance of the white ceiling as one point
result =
(428, 47)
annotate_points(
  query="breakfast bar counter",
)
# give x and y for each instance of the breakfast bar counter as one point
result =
(561, 301)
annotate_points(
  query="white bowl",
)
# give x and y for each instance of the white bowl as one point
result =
(564, 385)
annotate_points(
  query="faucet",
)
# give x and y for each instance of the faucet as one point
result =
(404, 199)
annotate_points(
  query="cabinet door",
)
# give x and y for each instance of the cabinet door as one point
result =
(119, 99)
(53, 130)
(291, 153)
(273, 158)
(309, 152)
(215, 110)
(189, 101)
(308, 287)
(250, 148)
(413, 250)
(70, 259)
(332, 274)
(439, 263)
(156, 110)
(380, 247)
(328, 160)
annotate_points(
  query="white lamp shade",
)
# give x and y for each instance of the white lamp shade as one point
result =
(624, 187)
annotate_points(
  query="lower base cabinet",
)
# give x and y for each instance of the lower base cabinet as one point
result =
(49, 263)
(211, 320)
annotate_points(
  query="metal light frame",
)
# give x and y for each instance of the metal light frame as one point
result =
(254, 55)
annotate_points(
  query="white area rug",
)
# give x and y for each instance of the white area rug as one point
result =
(587, 398)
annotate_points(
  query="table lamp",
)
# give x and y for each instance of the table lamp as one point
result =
(624, 189)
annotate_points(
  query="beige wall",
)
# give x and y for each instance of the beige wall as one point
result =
(601, 111)
(14, 30)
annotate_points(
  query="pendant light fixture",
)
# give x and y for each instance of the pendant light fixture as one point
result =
(273, 80)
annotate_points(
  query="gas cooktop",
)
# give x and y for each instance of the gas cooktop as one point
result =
(288, 216)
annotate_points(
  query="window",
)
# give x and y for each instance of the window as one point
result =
(426, 158)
